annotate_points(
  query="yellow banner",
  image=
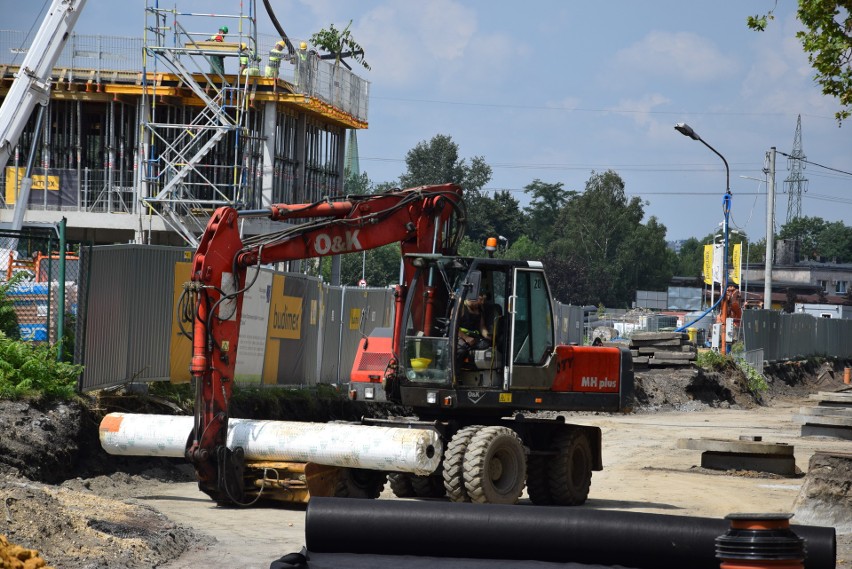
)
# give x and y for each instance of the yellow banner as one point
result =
(180, 348)
(708, 264)
(354, 318)
(737, 262)
(13, 183)
(285, 313)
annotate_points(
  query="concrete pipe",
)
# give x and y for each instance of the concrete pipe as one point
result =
(417, 451)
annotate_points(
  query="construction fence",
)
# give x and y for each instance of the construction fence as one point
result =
(32, 287)
(299, 331)
(784, 336)
(295, 331)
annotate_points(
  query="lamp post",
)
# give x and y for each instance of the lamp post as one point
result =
(686, 130)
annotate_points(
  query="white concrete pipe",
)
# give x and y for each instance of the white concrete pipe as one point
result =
(417, 451)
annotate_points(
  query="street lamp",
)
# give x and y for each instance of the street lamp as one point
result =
(686, 130)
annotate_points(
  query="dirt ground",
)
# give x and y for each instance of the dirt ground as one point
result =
(83, 509)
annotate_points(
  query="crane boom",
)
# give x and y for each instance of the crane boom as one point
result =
(32, 84)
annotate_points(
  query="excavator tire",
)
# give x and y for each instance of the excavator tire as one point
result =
(360, 483)
(495, 466)
(454, 464)
(431, 486)
(401, 486)
(538, 484)
(570, 471)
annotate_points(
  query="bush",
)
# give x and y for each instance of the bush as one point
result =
(754, 379)
(8, 317)
(31, 371)
(713, 361)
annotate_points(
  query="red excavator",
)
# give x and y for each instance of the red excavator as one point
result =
(483, 400)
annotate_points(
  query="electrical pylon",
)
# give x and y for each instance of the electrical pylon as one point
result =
(796, 183)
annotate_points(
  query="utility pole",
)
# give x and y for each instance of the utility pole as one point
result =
(770, 230)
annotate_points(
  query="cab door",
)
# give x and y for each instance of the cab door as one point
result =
(532, 334)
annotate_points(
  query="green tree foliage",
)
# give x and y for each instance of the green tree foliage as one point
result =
(827, 39)
(545, 203)
(437, 162)
(338, 42)
(504, 217)
(819, 239)
(600, 231)
(835, 242)
(525, 249)
(380, 267)
(357, 184)
(689, 261)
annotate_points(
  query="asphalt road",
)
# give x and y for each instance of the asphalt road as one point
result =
(644, 471)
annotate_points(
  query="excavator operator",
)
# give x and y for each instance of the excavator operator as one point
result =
(473, 330)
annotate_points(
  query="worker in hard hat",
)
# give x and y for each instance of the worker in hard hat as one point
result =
(273, 62)
(249, 62)
(217, 62)
(302, 73)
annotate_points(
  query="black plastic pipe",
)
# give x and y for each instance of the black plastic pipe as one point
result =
(566, 535)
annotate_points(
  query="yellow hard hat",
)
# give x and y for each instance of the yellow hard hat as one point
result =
(243, 46)
(280, 43)
(303, 45)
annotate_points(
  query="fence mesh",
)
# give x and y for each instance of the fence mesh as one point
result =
(31, 287)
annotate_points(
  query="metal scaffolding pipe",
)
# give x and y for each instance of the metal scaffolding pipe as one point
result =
(417, 451)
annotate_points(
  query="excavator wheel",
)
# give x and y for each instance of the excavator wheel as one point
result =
(570, 471)
(360, 483)
(429, 486)
(454, 464)
(401, 486)
(538, 484)
(495, 466)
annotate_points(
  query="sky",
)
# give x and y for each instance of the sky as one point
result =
(555, 90)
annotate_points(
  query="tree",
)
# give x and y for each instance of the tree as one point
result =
(380, 266)
(601, 230)
(525, 249)
(356, 184)
(438, 162)
(827, 39)
(689, 261)
(835, 242)
(505, 218)
(340, 43)
(569, 279)
(806, 230)
(546, 202)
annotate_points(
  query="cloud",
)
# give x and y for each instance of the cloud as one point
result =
(780, 78)
(640, 109)
(683, 55)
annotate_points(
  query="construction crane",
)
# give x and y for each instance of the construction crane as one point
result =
(32, 87)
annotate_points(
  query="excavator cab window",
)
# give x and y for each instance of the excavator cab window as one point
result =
(427, 350)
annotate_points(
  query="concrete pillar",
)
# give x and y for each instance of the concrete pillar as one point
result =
(270, 121)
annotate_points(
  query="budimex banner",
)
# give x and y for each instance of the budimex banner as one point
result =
(737, 262)
(708, 264)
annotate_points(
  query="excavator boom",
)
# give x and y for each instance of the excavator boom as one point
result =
(428, 219)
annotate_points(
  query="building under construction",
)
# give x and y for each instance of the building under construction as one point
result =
(144, 137)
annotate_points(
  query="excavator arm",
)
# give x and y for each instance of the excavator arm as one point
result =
(428, 219)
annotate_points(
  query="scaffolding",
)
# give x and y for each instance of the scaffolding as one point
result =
(142, 126)
(194, 157)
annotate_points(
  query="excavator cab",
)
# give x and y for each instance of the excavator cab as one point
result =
(427, 358)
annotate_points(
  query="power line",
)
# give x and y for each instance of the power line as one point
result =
(806, 161)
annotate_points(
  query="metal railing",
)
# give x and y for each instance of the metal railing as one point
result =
(98, 58)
